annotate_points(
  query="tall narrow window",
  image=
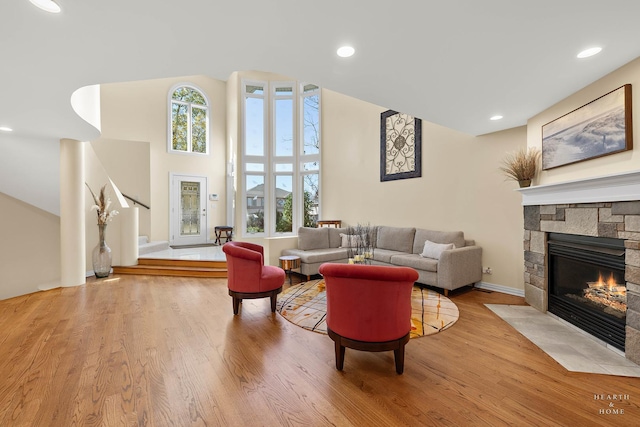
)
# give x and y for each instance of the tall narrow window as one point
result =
(189, 118)
(281, 163)
(310, 153)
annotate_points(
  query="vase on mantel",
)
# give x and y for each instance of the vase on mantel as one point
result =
(102, 255)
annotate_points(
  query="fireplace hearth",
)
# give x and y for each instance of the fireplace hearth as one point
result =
(587, 285)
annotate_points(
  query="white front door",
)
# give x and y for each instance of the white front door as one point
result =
(188, 216)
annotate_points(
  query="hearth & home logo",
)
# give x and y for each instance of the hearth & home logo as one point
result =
(610, 402)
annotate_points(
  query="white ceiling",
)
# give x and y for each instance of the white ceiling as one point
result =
(451, 62)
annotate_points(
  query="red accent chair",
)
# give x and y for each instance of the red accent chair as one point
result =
(248, 276)
(369, 308)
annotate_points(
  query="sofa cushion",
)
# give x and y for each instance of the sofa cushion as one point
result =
(384, 255)
(396, 238)
(415, 261)
(422, 235)
(318, 255)
(334, 236)
(313, 238)
(434, 250)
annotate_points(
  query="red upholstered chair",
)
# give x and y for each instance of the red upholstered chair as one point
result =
(248, 276)
(369, 308)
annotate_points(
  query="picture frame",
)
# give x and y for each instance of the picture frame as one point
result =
(600, 128)
(400, 146)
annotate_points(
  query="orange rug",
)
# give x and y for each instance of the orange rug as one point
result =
(305, 305)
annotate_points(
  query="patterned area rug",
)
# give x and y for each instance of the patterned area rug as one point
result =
(305, 305)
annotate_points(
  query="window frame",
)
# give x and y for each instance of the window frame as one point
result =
(190, 106)
(270, 160)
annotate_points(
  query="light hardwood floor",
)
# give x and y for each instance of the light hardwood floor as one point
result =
(167, 351)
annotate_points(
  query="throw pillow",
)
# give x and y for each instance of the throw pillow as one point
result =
(434, 250)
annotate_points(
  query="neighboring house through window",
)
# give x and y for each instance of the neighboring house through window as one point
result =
(189, 120)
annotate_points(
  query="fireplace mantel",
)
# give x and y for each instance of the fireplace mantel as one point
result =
(620, 187)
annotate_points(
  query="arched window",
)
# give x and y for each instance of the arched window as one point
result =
(189, 117)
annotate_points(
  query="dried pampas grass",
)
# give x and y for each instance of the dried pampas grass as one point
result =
(101, 205)
(521, 165)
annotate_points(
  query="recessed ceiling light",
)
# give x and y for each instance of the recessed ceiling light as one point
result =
(496, 117)
(6, 129)
(47, 5)
(346, 51)
(589, 52)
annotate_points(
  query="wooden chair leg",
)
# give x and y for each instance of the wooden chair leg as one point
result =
(274, 297)
(339, 356)
(446, 292)
(236, 305)
(399, 357)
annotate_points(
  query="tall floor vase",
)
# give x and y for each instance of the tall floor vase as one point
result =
(101, 256)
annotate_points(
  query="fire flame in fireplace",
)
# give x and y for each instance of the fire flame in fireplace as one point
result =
(607, 292)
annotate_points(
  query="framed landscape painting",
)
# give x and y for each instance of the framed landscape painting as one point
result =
(597, 129)
(400, 146)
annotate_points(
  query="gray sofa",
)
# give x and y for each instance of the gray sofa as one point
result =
(448, 269)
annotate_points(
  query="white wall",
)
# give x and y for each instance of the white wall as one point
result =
(30, 171)
(30, 249)
(461, 187)
(128, 165)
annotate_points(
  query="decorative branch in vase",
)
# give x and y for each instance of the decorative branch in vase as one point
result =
(361, 238)
(101, 256)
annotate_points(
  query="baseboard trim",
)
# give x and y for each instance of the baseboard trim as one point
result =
(500, 288)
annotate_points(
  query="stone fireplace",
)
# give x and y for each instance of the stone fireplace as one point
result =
(606, 207)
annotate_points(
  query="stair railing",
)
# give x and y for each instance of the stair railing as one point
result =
(136, 202)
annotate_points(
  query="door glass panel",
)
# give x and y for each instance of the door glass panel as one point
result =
(284, 203)
(190, 208)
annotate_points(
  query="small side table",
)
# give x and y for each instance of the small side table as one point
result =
(329, 223)
(228, 231)
(288, 263)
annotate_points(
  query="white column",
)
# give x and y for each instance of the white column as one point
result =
(72, 214)
(129, 236)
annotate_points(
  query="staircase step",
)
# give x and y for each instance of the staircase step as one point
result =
(182, 263)
(174, 267)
